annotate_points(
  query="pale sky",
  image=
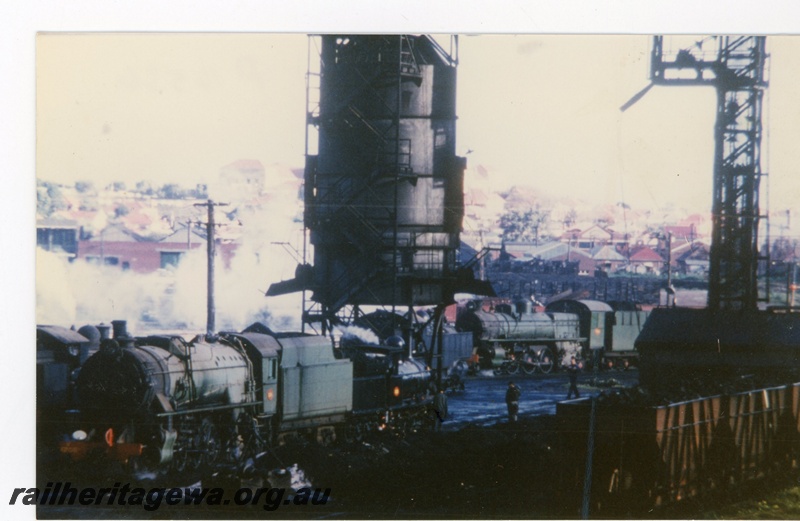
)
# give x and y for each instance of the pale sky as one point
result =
(539, 110)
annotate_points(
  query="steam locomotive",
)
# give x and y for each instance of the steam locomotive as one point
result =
(161, 401)
(518, 338)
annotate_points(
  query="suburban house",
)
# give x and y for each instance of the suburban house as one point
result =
(117, 246)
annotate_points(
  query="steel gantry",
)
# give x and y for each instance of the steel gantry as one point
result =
(736, 67)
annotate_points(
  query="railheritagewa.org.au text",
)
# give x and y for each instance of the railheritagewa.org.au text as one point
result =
(58, 494)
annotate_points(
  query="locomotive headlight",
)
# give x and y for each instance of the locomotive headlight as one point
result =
(597, 331)
(396, 391)
(270, 394)
(79, 435)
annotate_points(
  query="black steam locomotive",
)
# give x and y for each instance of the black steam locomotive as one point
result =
(517, 338)
(60, 352)
(159, 400)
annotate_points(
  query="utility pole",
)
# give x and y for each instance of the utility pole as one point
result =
(669, 259)
(670, 289)
(210, 326)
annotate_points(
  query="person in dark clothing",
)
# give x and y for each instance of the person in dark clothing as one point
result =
(512, 401)
(572, 372)
(439, 410)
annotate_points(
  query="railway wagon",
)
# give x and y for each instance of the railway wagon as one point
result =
(679, 345)
(645, 456)
(627, 324)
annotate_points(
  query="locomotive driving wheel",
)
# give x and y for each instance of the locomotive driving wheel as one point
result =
(210, 446)
(187, 453)
(512, 367)
(247, 440)
(195, 456)
(180, 453)
(546, 360)
(529, 361)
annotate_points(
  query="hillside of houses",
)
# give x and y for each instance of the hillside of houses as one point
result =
(147, 228)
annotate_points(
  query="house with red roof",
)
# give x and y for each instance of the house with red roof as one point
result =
(682, 232)
(644, 259)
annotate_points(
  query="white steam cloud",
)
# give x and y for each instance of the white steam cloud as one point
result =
(366, 336)
(77, 293)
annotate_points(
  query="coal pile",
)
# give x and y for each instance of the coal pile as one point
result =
(505, 471)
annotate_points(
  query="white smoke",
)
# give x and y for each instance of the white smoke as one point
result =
(77, 293)
(350, 333)
(55, 298)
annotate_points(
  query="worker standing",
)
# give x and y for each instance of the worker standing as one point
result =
(512, 401)
(572, 371)
(439, 409)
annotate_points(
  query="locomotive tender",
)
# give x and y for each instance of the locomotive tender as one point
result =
(541, 341)
(160, 400)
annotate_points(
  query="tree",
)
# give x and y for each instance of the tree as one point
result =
(49, 199)
(570, 218)
(525, 225)
(144, 188)
(604, 221)
(170, 191)
(200, 191)
(84, 186)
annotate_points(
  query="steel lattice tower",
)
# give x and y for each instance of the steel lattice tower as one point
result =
(735, 66)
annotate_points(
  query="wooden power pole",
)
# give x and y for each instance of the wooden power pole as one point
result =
(211, 248)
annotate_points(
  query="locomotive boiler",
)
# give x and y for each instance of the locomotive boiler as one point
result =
(539, 340)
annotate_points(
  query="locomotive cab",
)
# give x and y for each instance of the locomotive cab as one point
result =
(596, 323)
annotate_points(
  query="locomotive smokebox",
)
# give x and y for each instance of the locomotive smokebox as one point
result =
(113, 384)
